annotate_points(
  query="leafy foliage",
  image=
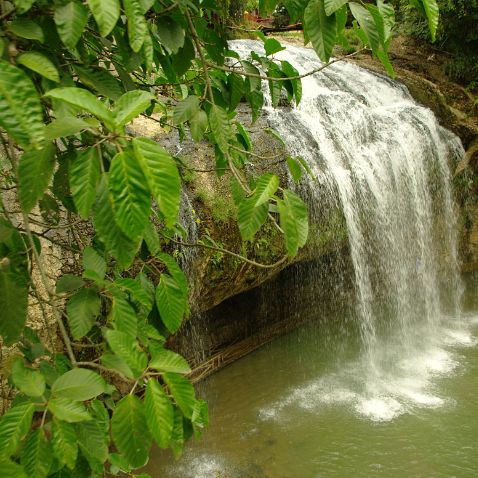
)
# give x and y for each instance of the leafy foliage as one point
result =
(73, 76)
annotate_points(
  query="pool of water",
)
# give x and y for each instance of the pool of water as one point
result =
(309, 405)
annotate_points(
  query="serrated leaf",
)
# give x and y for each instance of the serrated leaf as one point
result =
(138, 292)
(176, 272)
(92, 441)
(14, 425)
(170, 33)
(68, 126)
(93, 264)
(13, 303)
(266, 186)
(84, 100)
(23, 5)
(159, 413)
(79, 384)
(113, 362)
(200, 416)
(433, 14)
(320, 28)
(124, 316)
(198, 125)
(21, 113)
(271, 46)
(35, 170)
(129, 194)
(185, 110)
(28, 381)
(130, 105)
(101, 80)
(166, 360)
(82, 310)
(294, 221)
(37, 456)
(251, 218)
(177, 436)
(130, 430)
(253, 81)
(70, 20)
(26, 28)
(275, 135)
(40, 64)
(68, 283)
(290, 71)
(127, 349)
(10, 469)
(182, 391)
(116, 242)
(137, 27)
(68, 410)
(106, 13)
(170, 302)
(64, 443)
(388, 15)
(162, 176)
(84, 178)
(244, 135)
(220, 127)
(295, 169)
(236, 88)
(332, 6)
(367, 23)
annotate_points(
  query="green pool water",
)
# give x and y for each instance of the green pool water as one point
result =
(308, 406)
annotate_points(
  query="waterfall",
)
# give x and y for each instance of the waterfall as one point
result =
(384, 161)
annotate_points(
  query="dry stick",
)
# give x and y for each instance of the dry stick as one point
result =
(285, 78)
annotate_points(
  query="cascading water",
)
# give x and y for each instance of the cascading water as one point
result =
(384, 160)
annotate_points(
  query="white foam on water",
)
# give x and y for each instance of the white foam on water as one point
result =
(199, 467)
(379, 408)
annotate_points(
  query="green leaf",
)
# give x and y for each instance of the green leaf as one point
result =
(10, 469)
(70, 20)
(200, 416)
(137, 27)
(266, 7)
(251, 218)
(253, 81)
(185, 110)
(177, 436)
(432, 12)
(84, 100)
(244, 135)
(84, 179)
(388, 15)
(35, 170)
(159, 413)
(266, 186)
(113, 362)
(23, 5)
(198, 125)
(130, 194)
(220, 127)
(294, 168)
(367, 23)
(13, 303)
(168, 361)
(138, 292)
(26, 28)
(14, 425)
(170, 34)
(79, 384)
(116, 242)
(92, 441)
(40, 64)
(68, 283)
(170, 302)
(93, 264)
(320, 28)
(236, 86)
(106, 13)
(162, 176)
(127, 349)
(130, 105)
(271, 46)
(68, 126)
(294, 221)
(124, 316)
(176, 272)
(82, 310)
(290, 71)
(130, 431)
(64, 443)
(101, 80)
(68, 410)
(28, 381)
(37, 456)
(21, 113)
(182, 391)
(332, 6)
